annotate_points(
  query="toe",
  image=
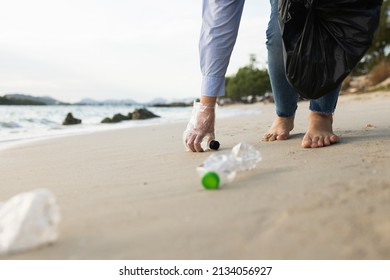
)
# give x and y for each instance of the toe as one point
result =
(334, 139)
(327, 141)
(306, 142)
(272, 137)
(320, 142)
(282, 136)
(266, 137)
(314, 142)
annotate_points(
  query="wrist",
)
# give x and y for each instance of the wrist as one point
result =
(208, 101)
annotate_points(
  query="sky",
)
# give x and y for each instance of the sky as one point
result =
(113, 49)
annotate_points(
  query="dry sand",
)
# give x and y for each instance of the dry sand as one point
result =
(134, 193)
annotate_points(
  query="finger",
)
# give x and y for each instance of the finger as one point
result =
(198, 142)
(190, 142)
(211, 137)
(185, 136)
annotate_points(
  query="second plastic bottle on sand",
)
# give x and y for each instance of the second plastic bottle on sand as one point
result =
(221, 168)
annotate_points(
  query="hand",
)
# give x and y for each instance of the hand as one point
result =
(201, 125)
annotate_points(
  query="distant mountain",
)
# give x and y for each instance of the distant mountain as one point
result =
(10, 101)
(157, 101)
(114, 102)
(87, 101)
(25, 99)
(120, 102)
(161, 102)
(33, 100)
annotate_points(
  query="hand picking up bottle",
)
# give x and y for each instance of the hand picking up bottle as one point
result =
(200, 132)
(221, 168)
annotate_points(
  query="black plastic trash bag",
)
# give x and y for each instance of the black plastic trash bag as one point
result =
(324, 40)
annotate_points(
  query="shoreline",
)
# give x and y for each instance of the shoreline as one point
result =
(135, 194)
(80, 129)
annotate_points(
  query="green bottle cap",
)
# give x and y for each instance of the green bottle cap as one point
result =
(210, 180)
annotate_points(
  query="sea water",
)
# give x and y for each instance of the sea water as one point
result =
(26, 123)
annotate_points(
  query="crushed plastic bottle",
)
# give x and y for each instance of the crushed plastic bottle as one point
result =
(28, 220)
(221, 168)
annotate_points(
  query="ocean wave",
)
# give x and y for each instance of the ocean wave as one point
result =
(10, 124)
(46, 121)
(27, 122)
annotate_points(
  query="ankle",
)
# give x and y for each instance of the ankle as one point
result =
(321, 116)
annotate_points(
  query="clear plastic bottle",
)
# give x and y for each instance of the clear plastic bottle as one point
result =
(212, 145)
(221, 168)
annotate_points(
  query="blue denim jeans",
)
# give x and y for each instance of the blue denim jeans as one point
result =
(285, 96)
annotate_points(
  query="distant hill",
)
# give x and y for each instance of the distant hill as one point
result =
(89, 101)
(24, 99)
(11, 101)
(157, 101)
(160, 102)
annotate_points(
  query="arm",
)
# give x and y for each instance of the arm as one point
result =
(220, 24)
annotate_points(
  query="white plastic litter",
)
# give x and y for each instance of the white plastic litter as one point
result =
(28, 220)
(223, 166)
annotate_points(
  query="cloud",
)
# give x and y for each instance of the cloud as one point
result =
(121, 49)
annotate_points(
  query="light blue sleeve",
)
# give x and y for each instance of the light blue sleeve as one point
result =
(220, 24)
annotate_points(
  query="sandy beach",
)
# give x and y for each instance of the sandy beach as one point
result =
(135, 194)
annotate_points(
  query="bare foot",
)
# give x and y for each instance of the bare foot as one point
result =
(280, 129)
(319, 132)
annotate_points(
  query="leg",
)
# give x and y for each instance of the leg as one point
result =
(284, 95)
(320, 131)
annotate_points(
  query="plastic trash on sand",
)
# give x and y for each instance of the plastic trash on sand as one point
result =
(221, 168)
(28, 220)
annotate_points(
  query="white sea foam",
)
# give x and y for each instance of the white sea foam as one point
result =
(25, 123)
